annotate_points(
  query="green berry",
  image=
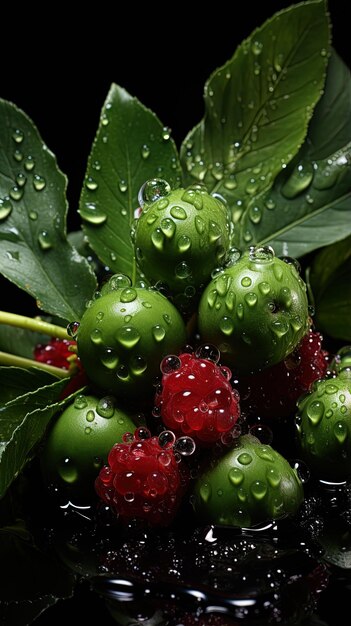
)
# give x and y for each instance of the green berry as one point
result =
(180, 238)
(249, 485)
(323, 425)
(124, 335)
(255, 311)
(79, 441)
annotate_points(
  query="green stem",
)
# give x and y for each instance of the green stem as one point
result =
(20, 361)
(32, 323)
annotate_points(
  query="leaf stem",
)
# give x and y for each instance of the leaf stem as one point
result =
(20, 361)
(33, 323)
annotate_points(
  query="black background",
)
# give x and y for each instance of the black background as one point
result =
(58, 67)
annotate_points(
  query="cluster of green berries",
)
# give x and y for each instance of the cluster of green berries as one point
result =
(131, 343)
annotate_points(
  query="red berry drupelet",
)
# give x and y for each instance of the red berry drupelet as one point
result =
(57, 352)
(143, 479)
(196, 397)
(273, 392)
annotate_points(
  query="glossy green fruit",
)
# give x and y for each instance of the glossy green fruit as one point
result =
(249, 485)
(124, 335)
(255, 311)
(79, 441)
(323, 425)
(180, 238)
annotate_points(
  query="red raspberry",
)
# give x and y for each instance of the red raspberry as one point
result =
(142, 480)
(57, 352)
(273, 392)
(196, 397)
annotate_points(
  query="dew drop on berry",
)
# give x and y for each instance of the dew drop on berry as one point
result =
(291, 261)
(90, 416)
(205, 492)
(68, 470)
(258, 489)
(128, 336)
(185, 446)
(245, 458)
(166, 439)
(80, 402)
(158, 332)
(209, 352)
(128, 295)
(106, 407)
(262, 432)
(261, 254)
(153, 190)
(127, 437)
(170, 364)
(302, 470)
(142, 433)
(164, 459)
(109, 358)
(236, 476)
(72, 329)
(118, 281)
(138, 365)
(122, 372)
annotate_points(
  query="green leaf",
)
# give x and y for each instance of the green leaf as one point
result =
(23, 422)
(20, 341)
(16, 381)
(309, 205)
(330, 281)
(40, 578)
(130, 147)
(258, 105)
(34, 252)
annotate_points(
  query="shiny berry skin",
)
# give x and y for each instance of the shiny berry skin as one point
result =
(272, 393)
(180, 238)
(124, 335)
(142, 481)
(323, 424)
(196, 398)
(250, 484)
(57, 352)
(255, 311)
(79, 441)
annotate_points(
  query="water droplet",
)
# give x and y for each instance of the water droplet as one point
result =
(178, 213)
(90, 416)
(106, 407)
(255, 214)
(168, 227)
(185, 446)
(258, 489)
(236, 476)
(170, 364)
(39, 182)
(151, 218)
(330, 389)
(262, 254)
(226, 325)
(158, 332)
(123, 373)
(96, 336)
(128, 295)
(109, 358)
(91, 213)
(153, 190)
(122, 185)
(245, 458)
(118, 281)
(166, 133)
(128, 336)
(299, 180)
(200, 225)
(252, 187)
(256, 47)
(80, 402)
(145, 151)
(251, 299)
(157, 238)
(17, 136)
(340, 431)
(264, 288)
(18, 156)
(5, 208)
(280, 327)
(273, 477)
(327, 175)
(91, 184)
(315, 411)
(68, 471)
(183, 243)
(138, 365)
(246, 281)
(21, 180)
(72, 329)
(44, 240)
(16, 193)
(205, 492)
(29, 163)
(270, 204)
(230, 182)
(182, 270)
